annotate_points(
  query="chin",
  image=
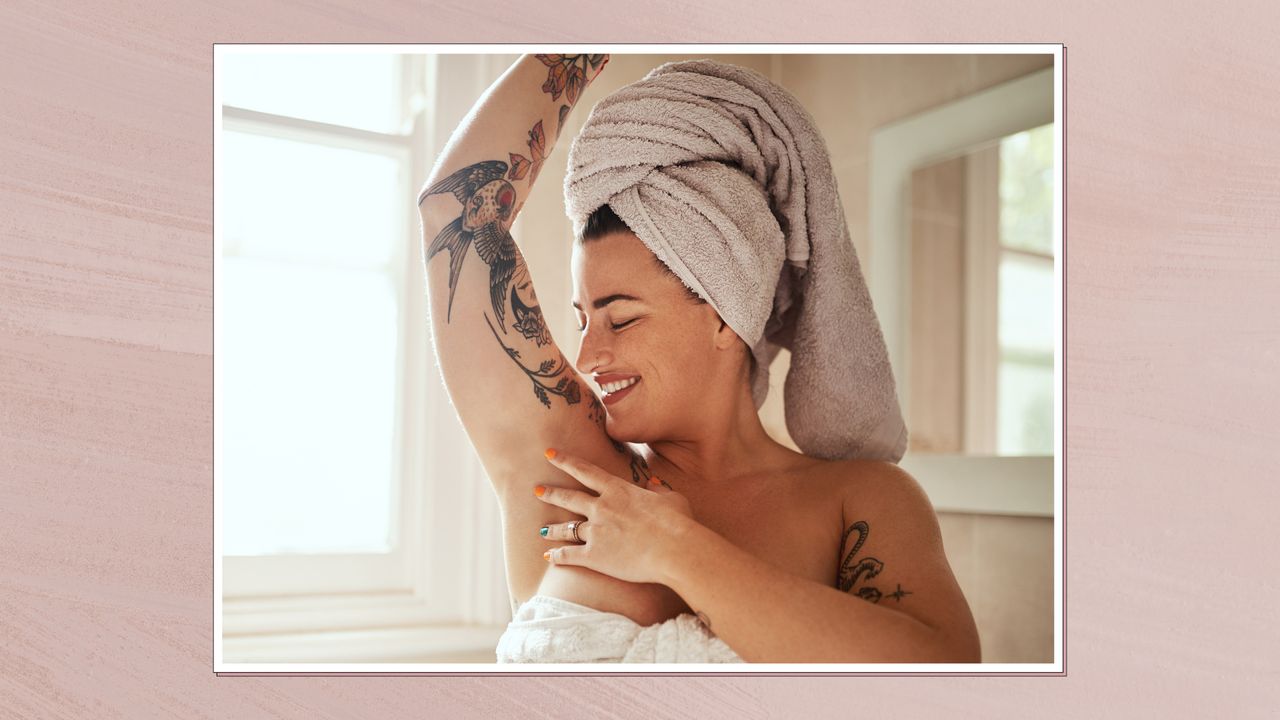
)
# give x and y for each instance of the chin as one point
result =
(618, 431)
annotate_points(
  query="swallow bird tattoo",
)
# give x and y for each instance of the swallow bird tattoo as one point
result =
(488, 202)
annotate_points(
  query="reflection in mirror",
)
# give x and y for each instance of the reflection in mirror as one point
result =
(981, 324)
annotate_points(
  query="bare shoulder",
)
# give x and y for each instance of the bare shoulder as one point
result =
(891, 553)
(879, 484)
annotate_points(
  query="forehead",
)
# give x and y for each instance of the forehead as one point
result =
(609, 258)
(617, 266)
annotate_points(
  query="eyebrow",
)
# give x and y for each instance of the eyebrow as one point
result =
(601, 302)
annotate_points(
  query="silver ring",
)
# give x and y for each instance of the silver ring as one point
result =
(573, 528)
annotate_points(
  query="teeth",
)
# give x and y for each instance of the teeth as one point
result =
(614, 387)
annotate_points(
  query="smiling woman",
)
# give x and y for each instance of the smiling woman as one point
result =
(635, 554)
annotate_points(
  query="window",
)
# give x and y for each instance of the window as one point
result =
(336, 546)
(1024, 405)
(313, 234)
(309, 346)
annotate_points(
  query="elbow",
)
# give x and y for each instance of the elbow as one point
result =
(956, 645)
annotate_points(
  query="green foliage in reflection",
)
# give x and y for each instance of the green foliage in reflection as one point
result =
(1026, 190)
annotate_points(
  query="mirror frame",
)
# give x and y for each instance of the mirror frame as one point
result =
(956, 483)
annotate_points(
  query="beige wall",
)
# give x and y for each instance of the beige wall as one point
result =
(1004, 564)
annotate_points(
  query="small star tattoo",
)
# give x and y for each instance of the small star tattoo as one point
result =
(897, 594)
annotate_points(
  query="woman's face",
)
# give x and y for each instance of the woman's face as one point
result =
(637, 320)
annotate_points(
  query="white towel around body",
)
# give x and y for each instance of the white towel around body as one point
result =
(549, 630)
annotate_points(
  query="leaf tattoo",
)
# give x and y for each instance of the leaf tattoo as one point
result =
(549, 370)
(564, 110)
(568, 74)
(521, 165)
(639, 468)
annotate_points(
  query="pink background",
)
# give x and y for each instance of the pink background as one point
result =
(1172, 273)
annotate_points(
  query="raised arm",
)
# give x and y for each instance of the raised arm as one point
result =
(514, 390)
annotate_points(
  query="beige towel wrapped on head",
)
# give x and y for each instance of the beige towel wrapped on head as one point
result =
(724, 177)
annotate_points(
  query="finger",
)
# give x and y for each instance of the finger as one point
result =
(575, 501)
(568, 555)
(561, 532)
(587, 473)
(659, 486)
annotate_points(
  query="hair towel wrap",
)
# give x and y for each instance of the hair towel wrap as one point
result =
(725, 178)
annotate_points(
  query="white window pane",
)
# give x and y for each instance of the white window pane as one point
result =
(357, 90)
(1026, 303)
(304, 202)
(308, 401)
(1026, 190)
(1024, 414)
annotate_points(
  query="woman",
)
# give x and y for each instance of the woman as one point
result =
(780, 556)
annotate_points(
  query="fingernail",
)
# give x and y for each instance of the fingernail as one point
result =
(551, 453)
(539, 490)
(543, 531)
(655, 480)
(546, 556)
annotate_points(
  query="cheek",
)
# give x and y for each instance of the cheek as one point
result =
(675, 360)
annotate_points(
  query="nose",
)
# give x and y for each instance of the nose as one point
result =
(592, 353)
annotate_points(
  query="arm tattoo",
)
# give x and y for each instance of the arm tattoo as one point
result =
(521, 165)
(849, 574)
(488, 201)
(639, 468)
(640, 472)
(564, 110)
(568, 74)
(566, 387)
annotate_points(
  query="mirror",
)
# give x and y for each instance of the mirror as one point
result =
(979, 326)
(961, 207)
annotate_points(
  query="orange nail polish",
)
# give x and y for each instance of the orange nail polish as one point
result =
(551, 453)
(539, 490)
(546, 556)
(655, 480)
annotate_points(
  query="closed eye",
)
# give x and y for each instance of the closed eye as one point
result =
(615, 326)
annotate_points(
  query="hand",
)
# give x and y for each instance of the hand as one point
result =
(629, 533)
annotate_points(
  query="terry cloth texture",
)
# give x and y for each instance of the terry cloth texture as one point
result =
(547, 629)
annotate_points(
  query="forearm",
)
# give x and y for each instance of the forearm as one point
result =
(517, 121)
(767, 615)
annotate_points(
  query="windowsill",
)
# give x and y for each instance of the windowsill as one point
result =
(440, 644)
(994, 485)
(366, 628)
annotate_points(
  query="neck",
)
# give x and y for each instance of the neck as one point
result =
(727, 445)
